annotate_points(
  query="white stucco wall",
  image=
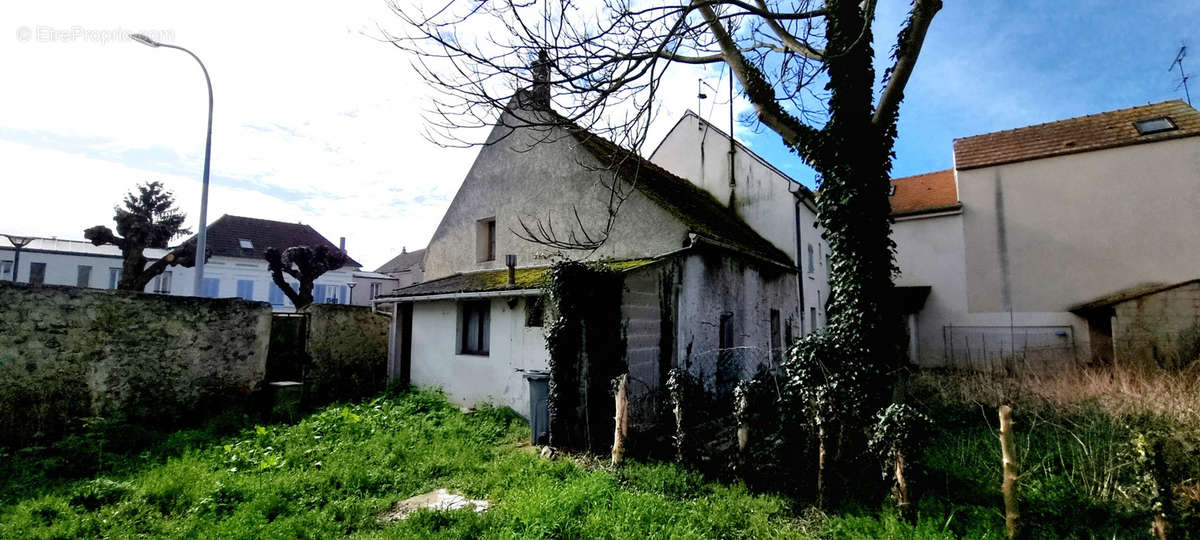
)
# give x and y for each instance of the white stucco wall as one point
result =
(1047, 234)
(543, 176)
(930, 251)
(472, 379)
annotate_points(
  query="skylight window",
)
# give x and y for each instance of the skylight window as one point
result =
(1154, 125)
(246, 244)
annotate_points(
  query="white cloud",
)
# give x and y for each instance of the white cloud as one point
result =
(313, 120)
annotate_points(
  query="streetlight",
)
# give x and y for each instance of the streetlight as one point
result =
(202, 233)
(18, 242)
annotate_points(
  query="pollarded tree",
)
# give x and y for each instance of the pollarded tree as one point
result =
(149, 219)
(806, 67)
(305, 264)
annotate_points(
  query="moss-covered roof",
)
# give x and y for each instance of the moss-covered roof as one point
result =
(697, 209)
(497, 280)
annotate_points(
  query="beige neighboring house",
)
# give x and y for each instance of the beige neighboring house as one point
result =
(1035, 225)
(370, 285)
(408, 268)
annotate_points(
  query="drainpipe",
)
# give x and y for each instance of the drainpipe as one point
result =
(800, 263)
(511, 262)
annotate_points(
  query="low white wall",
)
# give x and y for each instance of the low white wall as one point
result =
(471, 379)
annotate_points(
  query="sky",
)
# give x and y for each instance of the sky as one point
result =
(318, 121)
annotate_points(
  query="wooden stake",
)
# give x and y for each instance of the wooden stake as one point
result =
(1008, 455)
(621, 428)
(902, 501)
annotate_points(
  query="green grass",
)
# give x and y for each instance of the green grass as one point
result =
(332, 473)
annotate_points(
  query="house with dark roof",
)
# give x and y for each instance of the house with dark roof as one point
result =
(407, 268)
(1034, 222)
(236, 267)
(701, 289)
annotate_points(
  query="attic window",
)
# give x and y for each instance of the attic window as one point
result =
(246, 244)
(1154, 125)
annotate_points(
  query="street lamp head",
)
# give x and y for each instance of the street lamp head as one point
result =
(141, 38)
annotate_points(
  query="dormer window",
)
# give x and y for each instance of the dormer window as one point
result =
(246, 244)
(1154, 125)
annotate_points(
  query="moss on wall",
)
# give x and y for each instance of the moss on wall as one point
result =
(67, 353)
(348, 350)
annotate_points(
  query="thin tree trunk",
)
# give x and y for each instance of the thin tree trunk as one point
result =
(820, 465)
(1008, 455)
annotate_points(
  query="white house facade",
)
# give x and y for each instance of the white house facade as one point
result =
(236, 267)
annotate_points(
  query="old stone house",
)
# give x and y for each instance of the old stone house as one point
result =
(1033, 225)
(700, 289)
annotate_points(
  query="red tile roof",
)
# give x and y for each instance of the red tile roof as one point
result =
(1083, 134)
(924, 192)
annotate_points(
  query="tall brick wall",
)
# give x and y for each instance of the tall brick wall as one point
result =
(1157, 328)
(68, 353)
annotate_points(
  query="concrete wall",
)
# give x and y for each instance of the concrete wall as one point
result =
(931, 251)
(761, 195)
(1158, 329)
(1047, 234)
(348, 346)
(470, 379)
(538, 175)
(112, 352)
(712, 286)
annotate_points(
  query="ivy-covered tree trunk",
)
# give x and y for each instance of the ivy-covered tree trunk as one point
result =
(843, 375)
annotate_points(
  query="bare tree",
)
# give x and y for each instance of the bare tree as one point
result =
(305, 264)
(806, 67)
(148, 220)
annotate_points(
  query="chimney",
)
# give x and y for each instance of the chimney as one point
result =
(540, 93)
(342, 243)
(511, 262)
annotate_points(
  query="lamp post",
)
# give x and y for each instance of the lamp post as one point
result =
(351, 284)
(18, 242)
(202, 232)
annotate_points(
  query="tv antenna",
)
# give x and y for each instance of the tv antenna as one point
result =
(1183, 77)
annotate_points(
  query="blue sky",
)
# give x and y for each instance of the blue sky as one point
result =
(318, 122)
(990, 66)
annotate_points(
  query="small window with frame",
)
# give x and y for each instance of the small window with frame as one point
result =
(473, 327)
(1154, 125)
(485, 240)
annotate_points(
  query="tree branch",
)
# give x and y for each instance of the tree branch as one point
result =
(794, 132)
(908, 47)
(790, 41)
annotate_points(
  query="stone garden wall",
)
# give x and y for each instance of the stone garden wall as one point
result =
(68, 353)
(348, 348)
